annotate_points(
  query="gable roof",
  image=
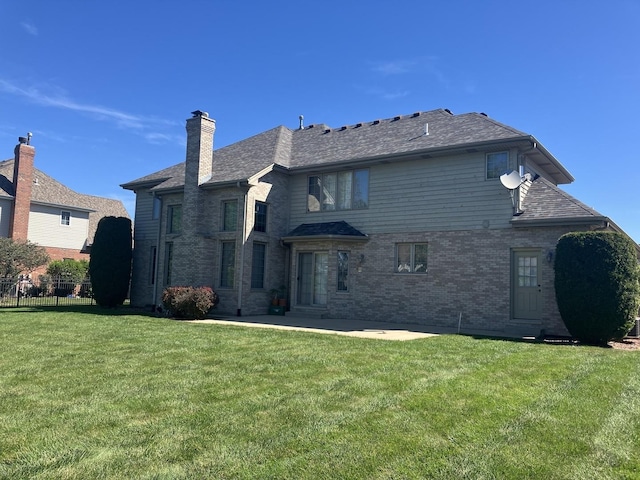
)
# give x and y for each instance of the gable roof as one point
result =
(547, 204)
(431, 133)
(48, 191)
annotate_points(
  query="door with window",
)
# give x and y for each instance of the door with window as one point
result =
(313, 269)
(527, 293)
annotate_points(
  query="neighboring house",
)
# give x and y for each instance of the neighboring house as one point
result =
(404, 219)
(35, 207)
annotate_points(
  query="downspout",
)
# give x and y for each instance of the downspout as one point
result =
(242, 248)
(157, 265)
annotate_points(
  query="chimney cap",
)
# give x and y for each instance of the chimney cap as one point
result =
(22, 140)
(199, 113)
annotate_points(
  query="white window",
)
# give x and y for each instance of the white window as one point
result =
(65, 218)
(411, 257)
(338, 191)
(497, 164)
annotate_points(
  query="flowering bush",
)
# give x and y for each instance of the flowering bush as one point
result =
(189, 302)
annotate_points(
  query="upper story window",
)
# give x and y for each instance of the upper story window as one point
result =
(260, 220)
(411, 257)
(338, 191)
(230, 215)
(174, 218)
(497, 164)
(65, 218)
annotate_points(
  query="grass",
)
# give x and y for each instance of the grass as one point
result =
(86, 393)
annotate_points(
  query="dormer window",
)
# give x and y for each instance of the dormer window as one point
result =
(65, 217)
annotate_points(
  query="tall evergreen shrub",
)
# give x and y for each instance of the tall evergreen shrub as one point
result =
(110, 261)
(597, 283)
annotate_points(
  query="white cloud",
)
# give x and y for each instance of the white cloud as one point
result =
(30, 28)
(396, 67)
(59, 99)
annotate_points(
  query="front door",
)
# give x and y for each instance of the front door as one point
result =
(527, 294)
(312, 278)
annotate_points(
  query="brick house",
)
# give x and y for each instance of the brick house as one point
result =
(38, 208)
(400, 219)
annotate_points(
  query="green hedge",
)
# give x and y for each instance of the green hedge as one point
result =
(597, 285)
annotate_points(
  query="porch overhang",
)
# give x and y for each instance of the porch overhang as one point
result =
(327, 231)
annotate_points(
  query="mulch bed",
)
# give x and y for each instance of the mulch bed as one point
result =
(626, 344)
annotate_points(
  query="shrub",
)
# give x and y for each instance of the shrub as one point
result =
(110, 261)
(189, 302)
(597, 285)
(73, 270)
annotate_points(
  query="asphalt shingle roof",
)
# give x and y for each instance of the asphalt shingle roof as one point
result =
(49, 191)
(319, 144)
(545, 201)
(340, 228)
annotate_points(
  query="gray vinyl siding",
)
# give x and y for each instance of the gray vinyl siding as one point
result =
(145, 236)
(438, 194)
(45, 228)
(5, 216)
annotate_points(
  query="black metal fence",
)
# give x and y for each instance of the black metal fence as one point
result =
(45, 291)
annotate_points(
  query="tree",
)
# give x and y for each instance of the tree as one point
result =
(67, 274)
(597, 282)
(18, 257)
(73, 270)
(110, 261)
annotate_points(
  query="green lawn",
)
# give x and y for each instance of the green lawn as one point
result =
(90, 394)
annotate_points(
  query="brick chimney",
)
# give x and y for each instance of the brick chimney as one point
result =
(200, 130)
(22, 184)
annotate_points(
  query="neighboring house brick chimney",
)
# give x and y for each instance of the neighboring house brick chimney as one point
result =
(22, 184)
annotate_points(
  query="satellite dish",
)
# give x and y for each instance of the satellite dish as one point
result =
(511, 180)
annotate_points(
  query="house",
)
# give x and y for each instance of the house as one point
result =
(38, 208)
(413, 218)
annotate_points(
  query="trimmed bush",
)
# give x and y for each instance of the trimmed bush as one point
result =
(597, 283)
(110, 261)
(189, 302)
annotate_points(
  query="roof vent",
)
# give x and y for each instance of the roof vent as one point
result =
(417, 114)
(328, 130)
(375, 122)
(301, 119)
(358, 125)
(344, 127)
(448, 111)
(396, 118)
(484, 114)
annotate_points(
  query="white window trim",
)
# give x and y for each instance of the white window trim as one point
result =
(62, 212)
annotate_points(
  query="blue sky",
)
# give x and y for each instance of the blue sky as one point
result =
(106, 87)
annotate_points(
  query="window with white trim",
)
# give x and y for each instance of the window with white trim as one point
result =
(65, 217)
(411, 257)
(346, 190)
(497, 164)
